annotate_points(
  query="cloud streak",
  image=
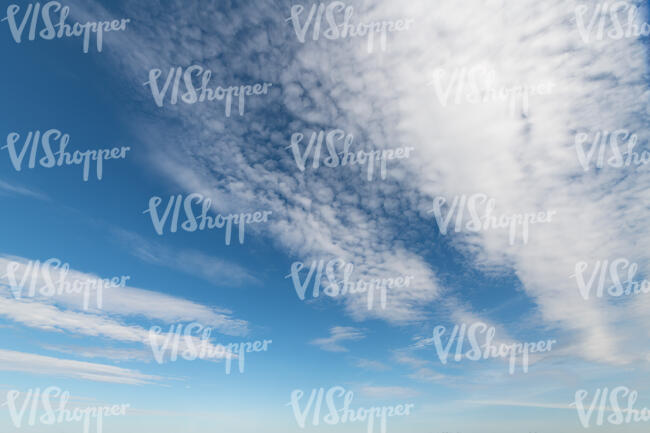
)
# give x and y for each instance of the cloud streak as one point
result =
(124, 301)
(38, 364)
(338, 334)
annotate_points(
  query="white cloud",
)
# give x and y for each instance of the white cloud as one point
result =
(39, 364)
(428, 375)
(338, 334)
(115, 354)
(369, 364)
(407, 359)
(305, 222)
(50, 318)
(124, 301)
(388, 391)
(215, 270)
(526, 162)
(7, 188)
(520, 404)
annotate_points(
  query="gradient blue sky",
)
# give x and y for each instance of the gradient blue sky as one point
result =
(382, 226)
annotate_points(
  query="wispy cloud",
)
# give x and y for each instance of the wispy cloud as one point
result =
(427, 375)
(388, 392)
(6, 188)
(216, 271)
(369, 364)
(39, 364)
(129, 301)
(115, 354)
(404, 358)
(338, 334)
(421, 371)
(50, 318)
(520, 404)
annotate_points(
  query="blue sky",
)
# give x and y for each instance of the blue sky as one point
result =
(527, 163)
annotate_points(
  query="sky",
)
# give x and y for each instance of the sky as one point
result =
(389, 95)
